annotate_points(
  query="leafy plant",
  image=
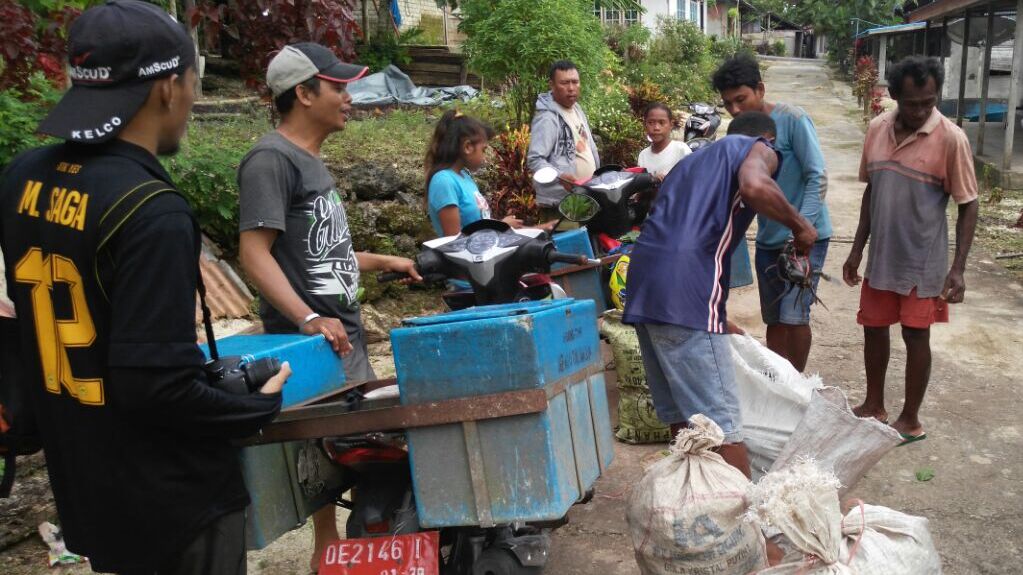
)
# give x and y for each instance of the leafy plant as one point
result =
(512, 43)
(262, 28)
(619, 131)
(508, 178)
(778, 48)
(724, 48)
(643, 95)
(21, 110)
(389, 48)
(678, 42)
(34, 38)
(205, 171)
(628, 42)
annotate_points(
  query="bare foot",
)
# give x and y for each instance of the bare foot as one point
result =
(878, 413)
(913, 428)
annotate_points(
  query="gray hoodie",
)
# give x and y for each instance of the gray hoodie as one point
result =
(551, 145)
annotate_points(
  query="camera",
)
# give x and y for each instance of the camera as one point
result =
(236, 375)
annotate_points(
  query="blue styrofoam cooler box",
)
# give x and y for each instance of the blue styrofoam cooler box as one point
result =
(288, 481)
(529, 467)
(584, 284)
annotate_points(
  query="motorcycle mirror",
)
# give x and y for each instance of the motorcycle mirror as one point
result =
(545, 175)
(578, 208)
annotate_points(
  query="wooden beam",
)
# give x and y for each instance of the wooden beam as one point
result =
(942, 9)
(986, 70)
(962, 71)
(1017, 72)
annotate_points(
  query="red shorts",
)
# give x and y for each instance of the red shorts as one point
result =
(881, 308)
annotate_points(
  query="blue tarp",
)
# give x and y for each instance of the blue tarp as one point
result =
(392, 86)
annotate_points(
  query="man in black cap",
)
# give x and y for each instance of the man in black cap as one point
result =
(101, 260)
(295, 242)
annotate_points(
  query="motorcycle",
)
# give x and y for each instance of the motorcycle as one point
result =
(623, 197)
(498, 262)
(702, 125)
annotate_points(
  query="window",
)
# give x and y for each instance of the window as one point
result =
(613, 16)
(688, 10)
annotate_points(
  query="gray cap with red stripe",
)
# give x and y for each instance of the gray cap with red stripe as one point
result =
(297, 63)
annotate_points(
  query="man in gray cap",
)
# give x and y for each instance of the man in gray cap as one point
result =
(295, 242)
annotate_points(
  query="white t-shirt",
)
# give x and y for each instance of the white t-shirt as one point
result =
(584, 164)
(662, 163)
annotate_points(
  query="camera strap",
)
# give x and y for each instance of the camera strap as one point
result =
(119, 213)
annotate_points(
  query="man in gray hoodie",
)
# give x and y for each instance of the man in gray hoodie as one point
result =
(561, 136)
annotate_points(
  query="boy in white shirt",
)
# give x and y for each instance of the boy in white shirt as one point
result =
(663, 153)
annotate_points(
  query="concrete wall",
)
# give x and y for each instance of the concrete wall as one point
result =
(998, 86)
(717, 21)
(412, 12)
(666, 8)
(787, 36)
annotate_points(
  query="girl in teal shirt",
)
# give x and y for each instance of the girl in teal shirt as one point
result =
(457, 149)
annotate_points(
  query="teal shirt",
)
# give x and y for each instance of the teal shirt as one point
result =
(803, 177)
(450, 189)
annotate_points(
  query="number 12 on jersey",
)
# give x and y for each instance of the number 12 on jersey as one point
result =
(55, 335)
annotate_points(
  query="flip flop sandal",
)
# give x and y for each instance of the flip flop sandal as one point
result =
(909, 438)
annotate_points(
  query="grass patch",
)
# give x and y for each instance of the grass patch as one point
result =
(398, 137)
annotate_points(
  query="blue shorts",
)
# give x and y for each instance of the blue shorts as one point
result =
(690, 371)
(779, 301)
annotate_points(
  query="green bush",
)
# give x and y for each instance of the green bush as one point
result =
(778, 48)
(205, 171)
(387, 48)
(612, 121)
(512, 43)
(20, 113)
(678, 42)
(630, 43)
(724, 48)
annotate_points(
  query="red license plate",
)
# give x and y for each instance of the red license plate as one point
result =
(411, 554)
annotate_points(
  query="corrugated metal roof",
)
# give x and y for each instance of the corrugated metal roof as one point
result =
(894, 29)
(226, 293)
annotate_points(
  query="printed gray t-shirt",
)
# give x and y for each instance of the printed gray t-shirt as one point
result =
(285, 188)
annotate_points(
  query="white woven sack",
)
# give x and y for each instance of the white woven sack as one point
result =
(892, 543)
(837, 440)
(801, 501)
(686, 514)
(773, 397)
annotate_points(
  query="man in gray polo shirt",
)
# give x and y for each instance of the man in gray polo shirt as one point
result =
(914, 161)
(295, 242)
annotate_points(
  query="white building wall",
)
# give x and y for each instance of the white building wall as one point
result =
(670, 9)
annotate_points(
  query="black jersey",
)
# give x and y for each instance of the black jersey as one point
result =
(136, 441)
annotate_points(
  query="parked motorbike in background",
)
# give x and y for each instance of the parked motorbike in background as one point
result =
(702, 125)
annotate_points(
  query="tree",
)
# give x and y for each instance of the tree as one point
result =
(833, 19)
(512, 43)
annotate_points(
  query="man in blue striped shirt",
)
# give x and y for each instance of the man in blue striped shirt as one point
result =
(679, 274)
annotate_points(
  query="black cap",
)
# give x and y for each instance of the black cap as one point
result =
(297, 63)
(116, 51)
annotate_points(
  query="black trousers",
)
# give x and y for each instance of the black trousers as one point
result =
(218, 550)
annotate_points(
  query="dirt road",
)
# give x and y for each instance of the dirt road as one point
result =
(972, 411)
